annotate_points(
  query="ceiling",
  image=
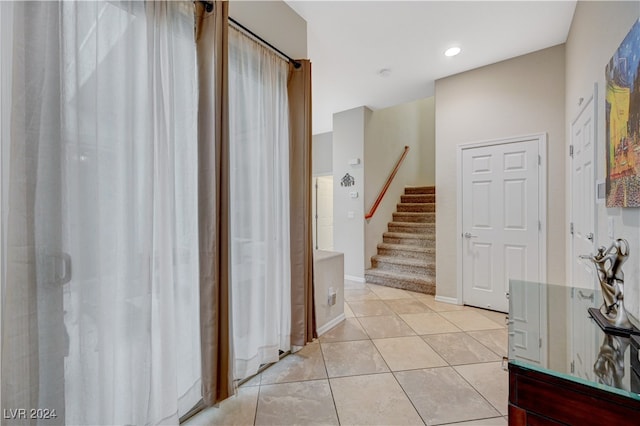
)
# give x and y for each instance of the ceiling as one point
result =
(349, 42)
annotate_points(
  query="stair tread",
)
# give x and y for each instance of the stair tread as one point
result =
(398, 275)
(407, 247)
(402, 260)
(421, 187)
(419, 190)
(418, 198)
(417, 204)
(424, 228)
(414, 213)
(413, 224)
(408, 235)
(420, 283)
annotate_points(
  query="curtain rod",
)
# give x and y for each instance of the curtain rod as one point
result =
(209, 8)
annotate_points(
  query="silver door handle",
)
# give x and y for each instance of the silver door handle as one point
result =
(589, 236)
(469, 235)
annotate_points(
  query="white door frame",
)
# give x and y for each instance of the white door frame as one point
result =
(542, 200)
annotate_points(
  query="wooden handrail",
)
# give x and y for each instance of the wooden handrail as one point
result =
(386, 185)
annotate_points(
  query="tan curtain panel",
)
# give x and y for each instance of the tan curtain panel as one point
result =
(303, 324)
(213, 202)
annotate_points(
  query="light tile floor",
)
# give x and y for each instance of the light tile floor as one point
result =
(400, 358)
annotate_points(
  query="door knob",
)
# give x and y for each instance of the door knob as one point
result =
(469, 235)
(589, 236)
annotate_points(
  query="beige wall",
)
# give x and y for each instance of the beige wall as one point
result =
(348, 232)
(597, 30)
(275, 22)
(515, 97)
(387, 132)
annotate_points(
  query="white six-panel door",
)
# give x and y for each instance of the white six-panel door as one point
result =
(500, 220)
(582, 240)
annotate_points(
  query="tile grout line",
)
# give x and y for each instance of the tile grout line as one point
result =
(435, 350)
(468, 363)
(333, 398)
(466, 421)
(428, 334)
(480, 393)
(393, 373)
(255, 414)
(463, 378)
(507, 349)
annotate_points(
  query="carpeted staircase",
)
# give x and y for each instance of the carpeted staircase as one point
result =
(406, 257)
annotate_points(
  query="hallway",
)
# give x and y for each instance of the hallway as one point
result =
(399, 358)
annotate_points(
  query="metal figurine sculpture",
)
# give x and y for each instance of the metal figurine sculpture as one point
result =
(609, 367)
(608, 263)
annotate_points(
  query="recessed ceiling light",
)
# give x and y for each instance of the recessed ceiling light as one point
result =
(452, 51)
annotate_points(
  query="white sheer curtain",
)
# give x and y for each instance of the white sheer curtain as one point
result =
(100, 290)
(259, 139)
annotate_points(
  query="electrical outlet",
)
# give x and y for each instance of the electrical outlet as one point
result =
(331, 297)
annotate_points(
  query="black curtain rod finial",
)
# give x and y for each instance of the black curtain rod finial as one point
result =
(208, 5)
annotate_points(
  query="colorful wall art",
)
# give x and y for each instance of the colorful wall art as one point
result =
(622, 114)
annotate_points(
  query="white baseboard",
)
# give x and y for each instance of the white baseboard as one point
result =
(451, 300)
(328, 326)
(354, 278)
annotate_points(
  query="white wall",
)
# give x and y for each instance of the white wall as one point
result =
(519, 96)
(387, 132)
(597, 30)
(348, 233)
(275, 22)
(322, 154)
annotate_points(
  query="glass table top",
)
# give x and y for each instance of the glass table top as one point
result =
(550, 330)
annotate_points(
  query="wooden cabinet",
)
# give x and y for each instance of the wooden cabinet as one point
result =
(537, 398)
(584, 376)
